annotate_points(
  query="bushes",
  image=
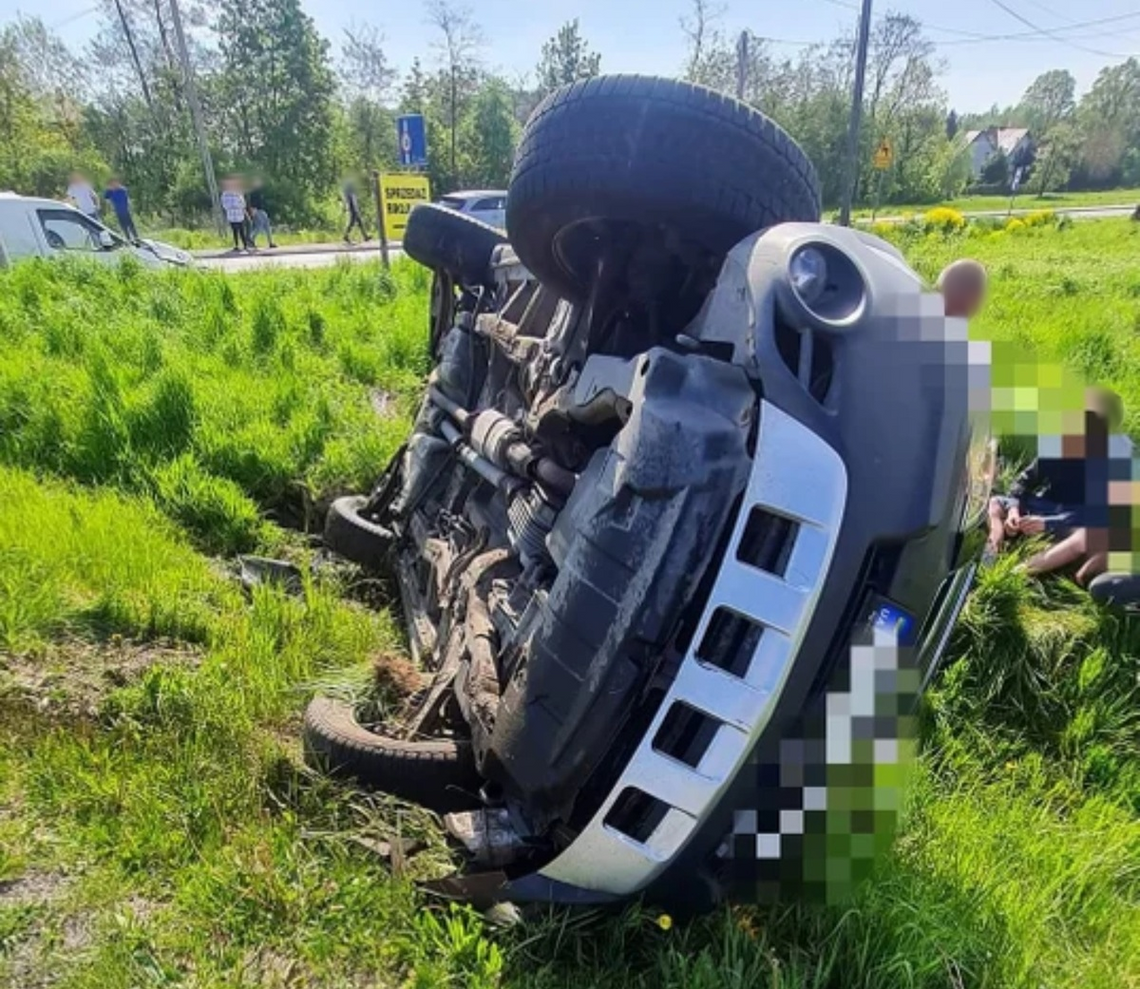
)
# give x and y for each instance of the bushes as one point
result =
(943, 219)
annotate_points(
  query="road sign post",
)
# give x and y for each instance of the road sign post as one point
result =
(382, 235)
(411, 140)
(883, 158)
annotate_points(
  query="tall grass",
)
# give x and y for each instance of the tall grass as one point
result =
(221, 399)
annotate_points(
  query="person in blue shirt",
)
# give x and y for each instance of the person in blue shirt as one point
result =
(116, 195)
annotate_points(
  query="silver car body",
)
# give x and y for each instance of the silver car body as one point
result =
(486, 205)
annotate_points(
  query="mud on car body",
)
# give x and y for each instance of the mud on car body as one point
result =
(680, 528)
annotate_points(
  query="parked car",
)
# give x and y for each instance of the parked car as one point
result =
(686, 518)
(34, 227)
(486, 205)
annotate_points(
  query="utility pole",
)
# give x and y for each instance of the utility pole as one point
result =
(851, 171)
(134, 54)
(741, 65)
(196, 114)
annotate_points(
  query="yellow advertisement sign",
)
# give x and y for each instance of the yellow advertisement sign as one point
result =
(884, 156)
(398, 194)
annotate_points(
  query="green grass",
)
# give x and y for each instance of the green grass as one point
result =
(157, 827)
(1025, 201)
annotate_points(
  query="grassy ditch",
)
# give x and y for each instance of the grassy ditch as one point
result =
(157, 827)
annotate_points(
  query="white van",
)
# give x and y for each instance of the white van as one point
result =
(43, 228)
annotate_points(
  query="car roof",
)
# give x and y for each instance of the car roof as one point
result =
(38, 201)
(475, 193)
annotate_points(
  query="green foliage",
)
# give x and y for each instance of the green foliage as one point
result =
(276, 91)
(566, 58)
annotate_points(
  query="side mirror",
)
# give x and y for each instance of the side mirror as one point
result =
(106, 241)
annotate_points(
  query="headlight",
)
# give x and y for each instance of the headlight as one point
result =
(808, 273)
(826, 285)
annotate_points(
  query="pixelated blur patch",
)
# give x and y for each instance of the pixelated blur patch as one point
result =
(827, 805)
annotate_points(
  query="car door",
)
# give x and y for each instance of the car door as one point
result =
(69, 232)
(491, 210)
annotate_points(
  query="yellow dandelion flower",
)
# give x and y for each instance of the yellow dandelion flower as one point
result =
(665, 922)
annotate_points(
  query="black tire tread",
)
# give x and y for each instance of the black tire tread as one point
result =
(352, 537)
(729, 168)
(444, 240)
(439, 774)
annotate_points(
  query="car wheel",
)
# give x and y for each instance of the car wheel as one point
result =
(444, 240)
(349, 534)
(680, 160)
(438, 774)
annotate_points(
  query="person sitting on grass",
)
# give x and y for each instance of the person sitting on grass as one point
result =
(1064, 496)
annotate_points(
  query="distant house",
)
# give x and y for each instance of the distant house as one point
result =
(984, 144)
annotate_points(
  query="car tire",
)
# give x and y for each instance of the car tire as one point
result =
(655, 152)
(438, 774)
(444, 240)
(349, 534)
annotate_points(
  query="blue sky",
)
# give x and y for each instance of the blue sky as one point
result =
(645, 36)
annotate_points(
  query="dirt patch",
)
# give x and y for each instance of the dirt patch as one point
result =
(33, 889)
(71, 678)
(383, 404)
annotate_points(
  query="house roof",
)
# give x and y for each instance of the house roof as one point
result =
(1005, 138)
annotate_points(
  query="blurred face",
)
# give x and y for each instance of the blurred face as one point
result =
(965, 292)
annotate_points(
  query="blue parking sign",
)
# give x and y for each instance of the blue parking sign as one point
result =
(411, 140)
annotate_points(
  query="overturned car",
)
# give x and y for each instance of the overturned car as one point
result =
(684, 522)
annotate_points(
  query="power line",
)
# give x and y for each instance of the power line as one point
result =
(1028, 23)
(1037, 32)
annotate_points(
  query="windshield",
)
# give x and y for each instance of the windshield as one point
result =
(452, 202)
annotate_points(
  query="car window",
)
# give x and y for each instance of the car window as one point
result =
(494, 203)
(452, 202)
(67, 231)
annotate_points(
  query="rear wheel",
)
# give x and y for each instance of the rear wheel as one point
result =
(356, 538)
(683, 166)
(439, 774)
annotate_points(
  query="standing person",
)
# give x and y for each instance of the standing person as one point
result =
(116, 195)
(82, 196)
(352, 205)
(259, 214)
(233, 204)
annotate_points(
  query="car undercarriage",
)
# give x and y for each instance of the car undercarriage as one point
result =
(682, 526)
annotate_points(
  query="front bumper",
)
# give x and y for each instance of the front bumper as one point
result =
(797, 477)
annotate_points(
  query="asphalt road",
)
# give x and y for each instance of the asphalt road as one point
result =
(323, 255)
(1076, 212)
(298, 256)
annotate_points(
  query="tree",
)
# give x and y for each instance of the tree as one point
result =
(995, 169)
(1057, 157)
(951, 125)
(566, 58)
(1050, 99)
(489, 137)
(458, 51)
(364, 67)
(702, 34)
(276, 90)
